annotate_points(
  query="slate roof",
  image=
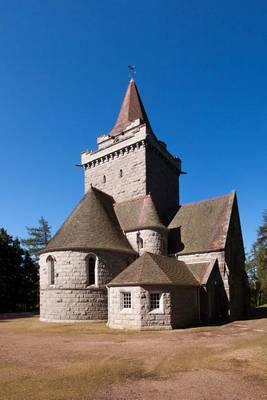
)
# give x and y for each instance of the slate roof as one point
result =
(152, 269)
(202, 270)
(138, 213)
(131, 109)
(204, 225)
(91, 225)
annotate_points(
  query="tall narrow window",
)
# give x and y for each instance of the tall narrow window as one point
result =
(104, 179)
(51, 270)
(91, 270)
(139, 240)
(121, 173)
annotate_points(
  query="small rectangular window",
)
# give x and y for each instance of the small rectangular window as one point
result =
(154, 301)
(126, 300)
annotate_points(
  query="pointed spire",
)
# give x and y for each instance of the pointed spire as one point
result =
(131, 109)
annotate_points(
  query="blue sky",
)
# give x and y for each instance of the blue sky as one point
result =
(201, 72)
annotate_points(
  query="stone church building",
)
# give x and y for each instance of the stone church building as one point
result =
(130, 253)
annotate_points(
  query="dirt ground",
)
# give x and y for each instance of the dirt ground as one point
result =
(89, 361)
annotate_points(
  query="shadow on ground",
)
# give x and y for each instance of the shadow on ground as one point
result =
(8, 316)
(255, 313)
(258, 313)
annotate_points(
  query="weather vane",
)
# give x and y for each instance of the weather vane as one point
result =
(132, 71)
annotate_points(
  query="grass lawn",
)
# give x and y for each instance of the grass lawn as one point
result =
(90, 361)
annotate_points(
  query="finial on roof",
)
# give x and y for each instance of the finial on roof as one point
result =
(132, 71)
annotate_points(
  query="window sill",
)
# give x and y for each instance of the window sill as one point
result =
(156, 311)
(94, 287)
(126, 310)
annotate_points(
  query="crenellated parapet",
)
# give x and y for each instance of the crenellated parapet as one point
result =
(114, 154)
(120, 147)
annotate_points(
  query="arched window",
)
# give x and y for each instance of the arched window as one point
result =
(51, 270)
(91, 270)
(104, 179)
(121, 173)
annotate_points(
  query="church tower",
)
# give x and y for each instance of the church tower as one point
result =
(117, 257)
(130, 161)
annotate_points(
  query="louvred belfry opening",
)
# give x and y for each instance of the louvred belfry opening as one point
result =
(131, 109)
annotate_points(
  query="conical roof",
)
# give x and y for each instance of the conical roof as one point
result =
(138, 213)
(131, 109)
(91, 225)
(154, 269)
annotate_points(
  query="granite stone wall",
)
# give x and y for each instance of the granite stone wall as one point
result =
(232, 274)
(70, 297)
(184, 307)
(121, 174)
(153, 241)
(120, 318)
(235, 259)
(139, 315)
(135, 166)
(209, 257)
(178, 308)
(155, 319)
(162, 182)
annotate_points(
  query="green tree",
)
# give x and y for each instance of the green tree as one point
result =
(18, 276)
(253, 281)
(257, 262)
(38, 238)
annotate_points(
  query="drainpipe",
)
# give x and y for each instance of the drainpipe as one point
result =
(198, 302)
(138, 242)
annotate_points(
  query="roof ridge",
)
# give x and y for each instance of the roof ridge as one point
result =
(161, 256)
(154, 257)
(150, 269)
(229, 213)
(207, 200)
(133, 199)
(82, 228)
(188, 266)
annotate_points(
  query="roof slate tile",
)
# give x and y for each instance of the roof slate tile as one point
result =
(131, 109)
(138, 213)
(152, 269)
(204, 225)
(91, 225)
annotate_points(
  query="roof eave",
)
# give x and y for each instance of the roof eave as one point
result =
(85, 248)
(152, 227)
(199, 252)
(197, 284)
